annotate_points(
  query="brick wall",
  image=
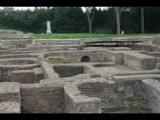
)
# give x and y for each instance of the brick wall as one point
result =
(58, 41)
(68, 70)
(38, 98)
(48, 71)
(77, 103)
(22, 76)
(76, 56)
(139, 61)
(116, 57)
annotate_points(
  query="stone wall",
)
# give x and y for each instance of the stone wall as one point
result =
(15, 56)
(116, 57)
(75, 56)
(18, 43)
(146, 47)
(154, 54)
(5, 52)
(139, 61)
(58, 41)
(151, 89)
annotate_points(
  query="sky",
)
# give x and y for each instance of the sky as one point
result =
(32, 8)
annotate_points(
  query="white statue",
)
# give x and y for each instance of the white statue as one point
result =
(122, 33)
(48, 27)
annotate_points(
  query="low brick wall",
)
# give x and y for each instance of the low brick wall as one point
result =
(5, 51)
(22, 76)
(42, 98)
(15, 56)
(75, 56)
(146, 47)
(57, 41)
(77, 103)
(7, 69)
(117, 57)
(139, 61)
(38, 75)
(7, 47)
(48, 71)
(96, 87)
(21, 43)
(154, 54)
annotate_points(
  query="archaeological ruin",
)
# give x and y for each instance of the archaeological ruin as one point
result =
(87, 75)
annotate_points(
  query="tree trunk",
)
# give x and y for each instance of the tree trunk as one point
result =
(117, 10)
(142, 20)
(90, 16)
(90, 26)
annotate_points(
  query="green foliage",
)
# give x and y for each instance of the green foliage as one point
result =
(74, 20)
(103, 31)
(100, 65)
(66, 60)
(62, 60)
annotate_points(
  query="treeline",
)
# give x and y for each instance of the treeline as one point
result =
(74, 20)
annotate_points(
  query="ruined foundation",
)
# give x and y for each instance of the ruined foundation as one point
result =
(65, 76)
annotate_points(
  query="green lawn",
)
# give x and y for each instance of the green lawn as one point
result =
(74, 35)
(82, 35)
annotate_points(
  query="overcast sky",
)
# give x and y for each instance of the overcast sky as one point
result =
(32, 8)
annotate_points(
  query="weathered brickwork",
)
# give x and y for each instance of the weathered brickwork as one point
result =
(139, 61)
(116, 57)
(77, 103)
(65, 76)
(22, 76)
(68, 71)
(42, 99)
(151, 88)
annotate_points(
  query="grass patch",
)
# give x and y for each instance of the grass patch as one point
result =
(100, 65)
(82, 35)
(73, 35)
(1, 38)
(62, 60)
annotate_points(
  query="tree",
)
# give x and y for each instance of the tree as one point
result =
(142, 19)
(90, 16)
(117, 11)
